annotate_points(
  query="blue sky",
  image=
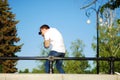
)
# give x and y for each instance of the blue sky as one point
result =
(65, 15)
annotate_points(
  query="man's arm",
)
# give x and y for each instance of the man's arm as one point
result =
(46, 43)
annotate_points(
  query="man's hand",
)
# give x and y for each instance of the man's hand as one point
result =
(46, 43)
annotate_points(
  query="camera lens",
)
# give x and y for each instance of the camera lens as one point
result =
(39, 33)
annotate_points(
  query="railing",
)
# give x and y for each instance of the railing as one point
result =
(52, 58)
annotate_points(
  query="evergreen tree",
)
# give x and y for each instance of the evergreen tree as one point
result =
(8, 38)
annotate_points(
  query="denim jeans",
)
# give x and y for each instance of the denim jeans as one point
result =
(58, 62)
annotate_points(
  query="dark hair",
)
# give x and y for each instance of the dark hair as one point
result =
(43, 27)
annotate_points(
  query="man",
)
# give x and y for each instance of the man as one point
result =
(53, 38)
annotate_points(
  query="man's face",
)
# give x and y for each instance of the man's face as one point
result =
(43, 31)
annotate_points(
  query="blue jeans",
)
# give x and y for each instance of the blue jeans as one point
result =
(58, 62)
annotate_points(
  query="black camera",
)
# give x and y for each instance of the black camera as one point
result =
(40, 33)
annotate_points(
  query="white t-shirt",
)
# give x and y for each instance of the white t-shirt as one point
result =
(56, 40)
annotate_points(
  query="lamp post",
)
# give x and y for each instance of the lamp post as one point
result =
(97, 24)
(97, 12)
(107, 15)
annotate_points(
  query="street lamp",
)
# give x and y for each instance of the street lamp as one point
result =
(99, 21)
(97, 11)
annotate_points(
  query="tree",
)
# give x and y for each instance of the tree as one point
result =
(25, 71)
(8, 38)
(41, 67)
(109, 38)
(79, 66)
(109, 42)
(112, 4)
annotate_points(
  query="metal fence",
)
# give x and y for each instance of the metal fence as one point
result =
(52, 58)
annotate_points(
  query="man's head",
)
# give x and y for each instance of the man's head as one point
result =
(43, 29)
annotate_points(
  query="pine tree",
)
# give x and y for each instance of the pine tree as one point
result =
(8, 38)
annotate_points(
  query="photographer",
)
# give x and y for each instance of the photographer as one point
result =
(52, 37)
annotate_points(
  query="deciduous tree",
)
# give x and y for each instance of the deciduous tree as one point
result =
(73, 66)
(109, 46)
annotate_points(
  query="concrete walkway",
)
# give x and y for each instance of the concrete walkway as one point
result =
(58, 77)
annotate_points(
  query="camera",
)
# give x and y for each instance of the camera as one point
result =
(40, 33)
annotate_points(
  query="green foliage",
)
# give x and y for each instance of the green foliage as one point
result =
(25, 71)
(112, 4)
(35, 70)
(73, 66)
(109, 40)
(77, 48)
(8, 38)
(41, 67)
(70, 66)
(109, 45)
(118, 21)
